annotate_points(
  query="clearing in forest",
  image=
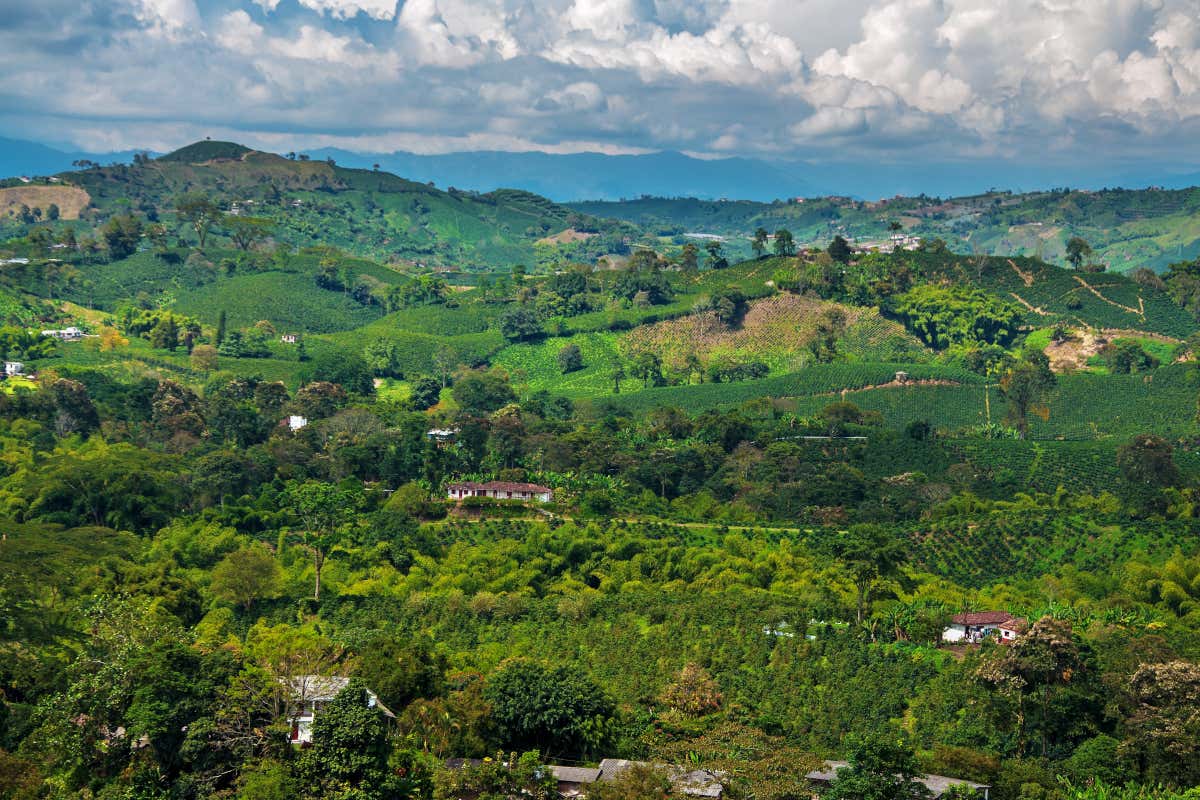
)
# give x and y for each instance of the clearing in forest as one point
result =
(777, 331)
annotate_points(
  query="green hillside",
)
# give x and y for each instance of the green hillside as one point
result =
(1127, 228)
(370, 213)
(286, 299)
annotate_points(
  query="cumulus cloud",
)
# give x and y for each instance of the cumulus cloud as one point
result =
(905, 78)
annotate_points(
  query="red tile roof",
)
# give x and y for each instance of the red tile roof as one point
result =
(982, 618)
(501, 486)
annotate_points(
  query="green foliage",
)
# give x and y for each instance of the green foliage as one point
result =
(559, 709)
(570, 358)
(944, 316)
(245, 576)
(880, 769)
(520, 324)
(1123, 356)
(121, 236)
(498, 778)
(481, 393)
(349, 754)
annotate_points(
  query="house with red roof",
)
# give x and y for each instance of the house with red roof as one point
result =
(500, 490)
(972, 627)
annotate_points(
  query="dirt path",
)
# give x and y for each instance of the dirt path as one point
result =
(1140, 311)
(1030, 306)
(892, 384)
(1027, 277)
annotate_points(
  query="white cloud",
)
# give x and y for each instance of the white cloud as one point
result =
(923, 77)
(345, 9)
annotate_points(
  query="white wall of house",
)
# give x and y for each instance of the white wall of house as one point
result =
(954, 633)
(972, 633)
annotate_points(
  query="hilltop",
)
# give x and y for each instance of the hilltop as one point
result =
(367, 212)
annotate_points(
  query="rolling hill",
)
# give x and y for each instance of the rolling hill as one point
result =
(1127, 228)
(366, 212)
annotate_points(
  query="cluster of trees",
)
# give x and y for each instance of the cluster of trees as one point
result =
(253, 553)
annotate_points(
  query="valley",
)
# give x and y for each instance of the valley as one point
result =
(270, 423)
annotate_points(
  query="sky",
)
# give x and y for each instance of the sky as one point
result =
(1051, 84)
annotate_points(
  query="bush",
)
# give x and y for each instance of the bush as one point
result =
(570, 359)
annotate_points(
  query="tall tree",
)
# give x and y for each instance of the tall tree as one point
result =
(785, 243)
(322, 509)
(554, 709)
(759, 243)
(716, 255)
(200, 212)
(121, 236)
(1077, 250)
(245, 576)
(1164, 728)
(688, 258)
(869, 553)
(839, 249)
(1039, 667)
(246, 231)
(1026, 386)
(348, 759)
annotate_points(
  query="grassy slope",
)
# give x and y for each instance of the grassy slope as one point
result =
(289, 300)
(138, 357)
(775, 331)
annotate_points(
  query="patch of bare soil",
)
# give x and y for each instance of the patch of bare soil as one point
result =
(1073, 353)
(566, 237)
(70, 199)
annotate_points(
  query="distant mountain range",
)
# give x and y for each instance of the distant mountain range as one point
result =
(594, 176)
(591, 176)
(19, 157)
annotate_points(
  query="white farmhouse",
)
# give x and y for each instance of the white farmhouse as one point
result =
(973, 627)
(500, 490)
(308, 694)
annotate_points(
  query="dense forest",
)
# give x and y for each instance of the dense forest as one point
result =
(230, 461)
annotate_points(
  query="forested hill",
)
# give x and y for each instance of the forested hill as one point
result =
(1127, 229)
(367, 212)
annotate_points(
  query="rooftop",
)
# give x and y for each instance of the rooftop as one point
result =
(937, 784)
(982, 618)
(501, 486)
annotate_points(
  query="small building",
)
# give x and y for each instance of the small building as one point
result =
(71, 334)
(308, 694)
(973, 627)
(12, 368)
(937, 785)
(573, 781)
(442, 437)
(290, 338)
(295, 422)
(500, 490)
